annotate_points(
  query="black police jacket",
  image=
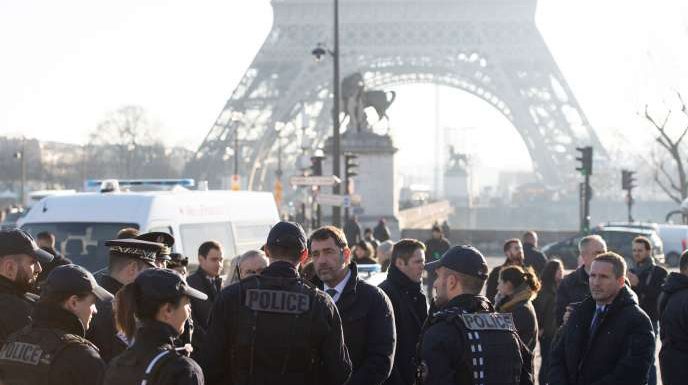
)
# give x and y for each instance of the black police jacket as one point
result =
(61, 353)
(15, 308)
(410, 311)
(102, 331)
(574, 288)
(153, 357)
(369, 330)
(619, 351)
(274, 329)
(452, 353)
(200, 310)
(673, 329)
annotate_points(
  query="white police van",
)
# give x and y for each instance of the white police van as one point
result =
(81, 222)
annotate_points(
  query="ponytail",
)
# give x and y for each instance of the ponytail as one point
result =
(125, 307)
(531, 280)
(517, 276)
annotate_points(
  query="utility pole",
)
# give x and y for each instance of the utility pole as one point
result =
(336, 211)
(585, 191)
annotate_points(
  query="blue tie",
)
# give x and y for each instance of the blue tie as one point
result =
(596, 319)
(331, 292)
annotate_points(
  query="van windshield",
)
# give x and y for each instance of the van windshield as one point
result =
(82, 243)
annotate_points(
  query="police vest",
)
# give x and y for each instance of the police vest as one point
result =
(272, 335)
(490, 347)
(27, 356)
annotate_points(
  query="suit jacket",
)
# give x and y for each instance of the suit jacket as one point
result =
(200, 310)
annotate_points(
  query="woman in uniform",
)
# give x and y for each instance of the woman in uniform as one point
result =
(152, 312)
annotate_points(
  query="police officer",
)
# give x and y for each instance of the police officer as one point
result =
(466, 342)
(52, 349)
(162, 257)
(179, 263)
(152, 311)
(274, 328)
(127, 259)
(20, 264)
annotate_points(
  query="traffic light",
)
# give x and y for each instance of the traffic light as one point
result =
(585, 159)
(316, 165)
(627, 180)
(350, 166)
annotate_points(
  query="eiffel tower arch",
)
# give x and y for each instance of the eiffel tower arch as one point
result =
(489, 48)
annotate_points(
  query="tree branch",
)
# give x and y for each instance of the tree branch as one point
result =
(669, 178)
(666, 190)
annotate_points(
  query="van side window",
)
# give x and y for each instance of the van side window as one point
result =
(193, 235)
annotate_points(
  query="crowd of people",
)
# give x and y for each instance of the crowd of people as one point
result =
(297, 312)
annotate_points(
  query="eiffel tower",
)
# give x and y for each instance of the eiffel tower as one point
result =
(489, 48)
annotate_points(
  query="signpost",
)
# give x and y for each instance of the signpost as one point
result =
(328, 180)
(338, 200)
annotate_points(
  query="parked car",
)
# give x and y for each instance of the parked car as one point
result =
(619, 240)
(10, 221)
(675, 238)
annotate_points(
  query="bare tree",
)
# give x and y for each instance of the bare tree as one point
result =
(125, 130)
(675, 186)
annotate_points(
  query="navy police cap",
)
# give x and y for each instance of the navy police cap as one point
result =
(464, 259)
(287, 234)
(17, 241)
(160, 237)
(73, 279)
(165, 284)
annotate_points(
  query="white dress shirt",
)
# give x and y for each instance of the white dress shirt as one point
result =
(340, 287)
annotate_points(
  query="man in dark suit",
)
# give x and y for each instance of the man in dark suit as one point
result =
(367, 314)
(403, 288)
(206, 279)
(532, 255)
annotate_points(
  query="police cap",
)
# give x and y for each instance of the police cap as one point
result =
(287, 234)
(464, 259)
(135, 249)
(165, 284)
(177, 260)
(17, 241)
(73, 279)
(160, 237)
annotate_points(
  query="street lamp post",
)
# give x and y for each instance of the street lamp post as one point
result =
(319, 52)
(336, 211)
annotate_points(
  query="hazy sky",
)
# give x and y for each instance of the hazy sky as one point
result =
(65, 64)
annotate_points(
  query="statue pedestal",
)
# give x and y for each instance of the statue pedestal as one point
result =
(456, 187)
(376, 180)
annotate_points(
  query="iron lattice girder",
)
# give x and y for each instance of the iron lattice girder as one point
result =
(489, 48)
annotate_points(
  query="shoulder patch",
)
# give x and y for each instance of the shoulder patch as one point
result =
(21, 352)
(277, 301)
(489, 321)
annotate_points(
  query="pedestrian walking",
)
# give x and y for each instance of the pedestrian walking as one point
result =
(545, 309)
(367, 314)
(516, 290)
(20, 265)
(352, 230)
(276, 328)
(575, 287)
(513, 250)
(207, 280)
(533, 257)
(403, 287)
(673, 326)
(152, 312)
(52, 349)
(46, 241)
(608, 338)
(126, 260)
(162, 257)
(381, 231)
(368, 237)
(435, 247)
(646, 279)
(465, 341)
